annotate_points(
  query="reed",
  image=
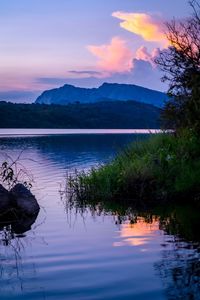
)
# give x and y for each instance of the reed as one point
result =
(162, 168)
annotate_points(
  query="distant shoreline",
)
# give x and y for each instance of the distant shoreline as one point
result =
(47, 132)
(101, 115)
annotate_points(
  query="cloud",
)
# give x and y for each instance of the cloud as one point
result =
(113, 57)
(144, 25)
(142, 73)
(143, 54)
(145, 74)
(85, 72)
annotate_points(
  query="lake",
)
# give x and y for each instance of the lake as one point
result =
(92, 253)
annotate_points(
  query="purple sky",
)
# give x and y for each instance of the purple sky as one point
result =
(45, 44)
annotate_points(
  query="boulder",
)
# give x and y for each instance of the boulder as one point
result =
(24, 223)
(5, 200)
(23, 200)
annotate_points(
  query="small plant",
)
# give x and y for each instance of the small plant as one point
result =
(13, 172)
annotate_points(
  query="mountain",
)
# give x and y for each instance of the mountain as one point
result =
(108, 91)
(113, 114)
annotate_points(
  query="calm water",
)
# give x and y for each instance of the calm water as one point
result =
(95, 254)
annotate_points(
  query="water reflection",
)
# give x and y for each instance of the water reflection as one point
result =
(16, 224)
(137, 234)
(13, 244)
(98, 250)
(179, 266)
(179, 270)
(67, 151)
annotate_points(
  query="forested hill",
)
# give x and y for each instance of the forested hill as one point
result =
(108, 91)
(114, 114)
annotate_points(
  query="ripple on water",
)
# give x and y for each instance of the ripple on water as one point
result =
(73, 256)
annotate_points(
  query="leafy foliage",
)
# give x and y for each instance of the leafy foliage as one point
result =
(180, 63)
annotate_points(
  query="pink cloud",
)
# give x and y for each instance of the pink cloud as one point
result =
(116, 57)
(113, 57)
(142, 53)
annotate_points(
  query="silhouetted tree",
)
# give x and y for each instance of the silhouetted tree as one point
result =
(180, 63)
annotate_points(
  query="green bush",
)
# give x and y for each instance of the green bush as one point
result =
(162, 168)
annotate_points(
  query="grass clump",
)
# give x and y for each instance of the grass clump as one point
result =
(162, 168)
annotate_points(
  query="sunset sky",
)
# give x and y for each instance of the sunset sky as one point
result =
(47, 43)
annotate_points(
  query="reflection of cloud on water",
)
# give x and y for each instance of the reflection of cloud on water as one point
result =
(137, 234)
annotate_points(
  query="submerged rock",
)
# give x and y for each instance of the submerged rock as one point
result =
(23, 200)
(5, 200)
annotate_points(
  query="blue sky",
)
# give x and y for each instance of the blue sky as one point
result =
(41, 41)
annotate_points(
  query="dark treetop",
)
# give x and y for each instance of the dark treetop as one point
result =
(113, 114)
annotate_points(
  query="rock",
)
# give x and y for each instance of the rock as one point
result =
(24, 224)
(23, 200)
(5, 201)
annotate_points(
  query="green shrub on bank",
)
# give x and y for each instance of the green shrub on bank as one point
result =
(163, 167)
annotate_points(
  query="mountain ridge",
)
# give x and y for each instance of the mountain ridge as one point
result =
(110, 91)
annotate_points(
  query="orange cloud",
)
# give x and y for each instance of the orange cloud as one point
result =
(113, 57)
(142, 24)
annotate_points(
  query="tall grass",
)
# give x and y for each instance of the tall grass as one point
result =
(162, 168)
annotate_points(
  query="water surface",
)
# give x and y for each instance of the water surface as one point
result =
(95, 252)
